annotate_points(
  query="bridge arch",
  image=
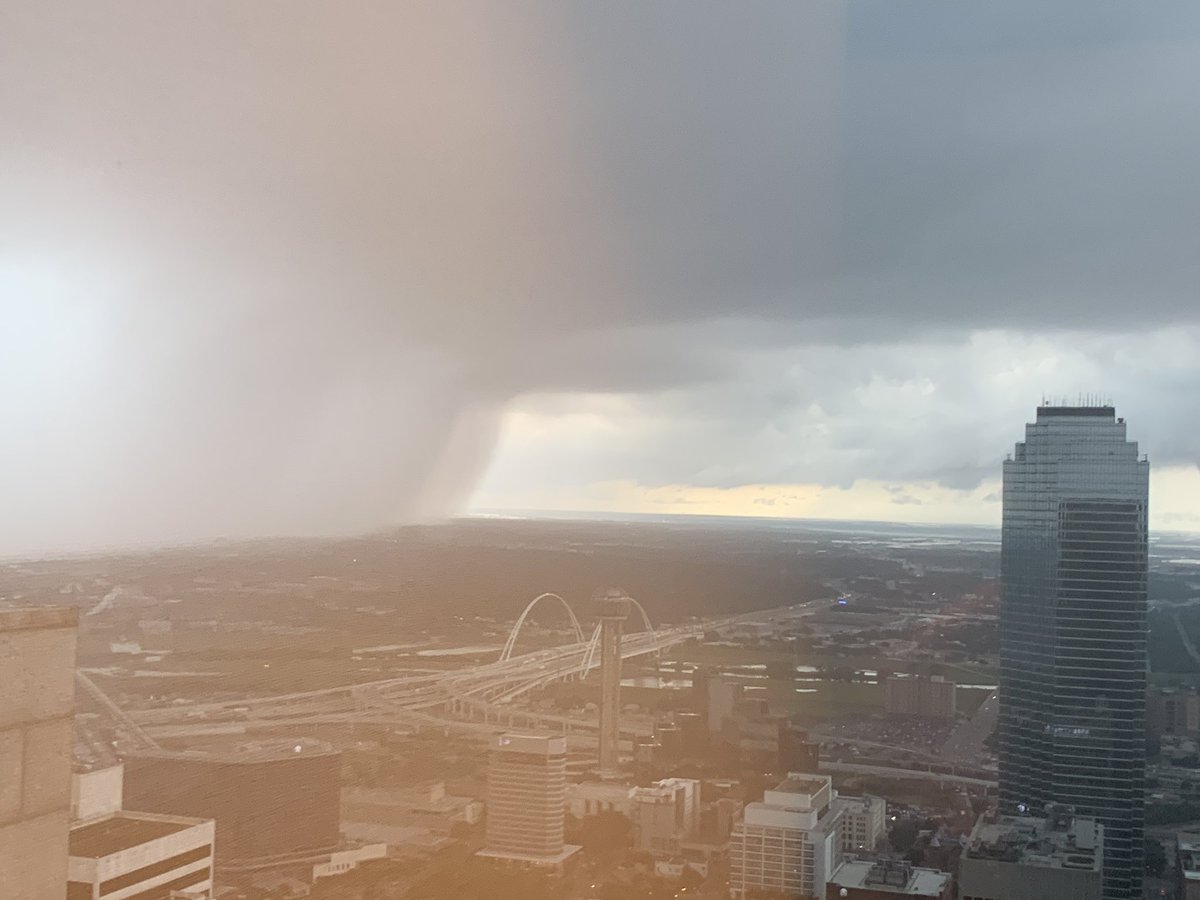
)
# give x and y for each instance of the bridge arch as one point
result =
(507, 652)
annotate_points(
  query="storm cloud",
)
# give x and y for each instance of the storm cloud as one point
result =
(295, 268)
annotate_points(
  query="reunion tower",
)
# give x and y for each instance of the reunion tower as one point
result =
(613, 611)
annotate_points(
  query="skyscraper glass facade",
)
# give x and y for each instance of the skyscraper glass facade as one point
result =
(1073, 629)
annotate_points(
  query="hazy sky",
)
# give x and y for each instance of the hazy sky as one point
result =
(287, 267)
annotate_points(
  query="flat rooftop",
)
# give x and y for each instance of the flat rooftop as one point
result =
(124, 831)
(24, 618)
(1189, 854)
(800, 785)
(864, 873)
(1059, 842)
(558, 859)
(1105, 412)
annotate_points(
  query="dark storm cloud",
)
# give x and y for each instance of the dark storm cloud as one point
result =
(278, 267)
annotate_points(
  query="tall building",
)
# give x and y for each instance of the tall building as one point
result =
(1059, 857)
(1073, 630)
(790, 843)
(526, 794)
(614, 610)
(37, 702)
(269, 799)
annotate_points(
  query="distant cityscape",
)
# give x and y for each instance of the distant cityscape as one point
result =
(775, 712)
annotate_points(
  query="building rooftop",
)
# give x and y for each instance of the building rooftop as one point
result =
(794, 784)
(124, 831)
(1189, 854)
(1107, 412)
(1059, 841)
(24, 618)
(543, 744)
(559, 858)
(891, 877)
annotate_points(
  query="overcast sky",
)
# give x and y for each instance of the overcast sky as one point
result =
(272, 268)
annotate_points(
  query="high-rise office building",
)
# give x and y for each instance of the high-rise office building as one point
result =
(526, 794)
(269, 799)
(1073, 630)
(789, 844)
(37, 702)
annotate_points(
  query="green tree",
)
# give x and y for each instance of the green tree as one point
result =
(903, 836)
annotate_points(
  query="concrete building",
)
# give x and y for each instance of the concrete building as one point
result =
(713, 697)
(427, 806)
(590, 798)
(614, 610)
(37, 701)
(1023, 858)
(1187, 865)
(1170, 711)
(666, 814)
(789, 843)
(96, 793)
(527, 782)
(861, 879)
(1073, 623)
(917, 695)
(269, 799)
(140, 855)
(863, 822)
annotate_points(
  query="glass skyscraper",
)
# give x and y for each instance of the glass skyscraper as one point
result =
(1073, 629)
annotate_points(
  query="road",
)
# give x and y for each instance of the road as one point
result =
(896, 772)
(476, 700)
(965, 744)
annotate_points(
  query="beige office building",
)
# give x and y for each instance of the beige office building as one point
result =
(863, 822)
(666, 814)
(526, 794)
(37, 700)
(790, 843)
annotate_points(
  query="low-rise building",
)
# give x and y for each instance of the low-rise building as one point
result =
(666, 814)
(863, 822)
(428, 806)
(1173, 711)
(1187, 865)
(1060, 857)
(590, 798)
(129, 854)
(917, 695)
(860, 879)
(790, 843)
